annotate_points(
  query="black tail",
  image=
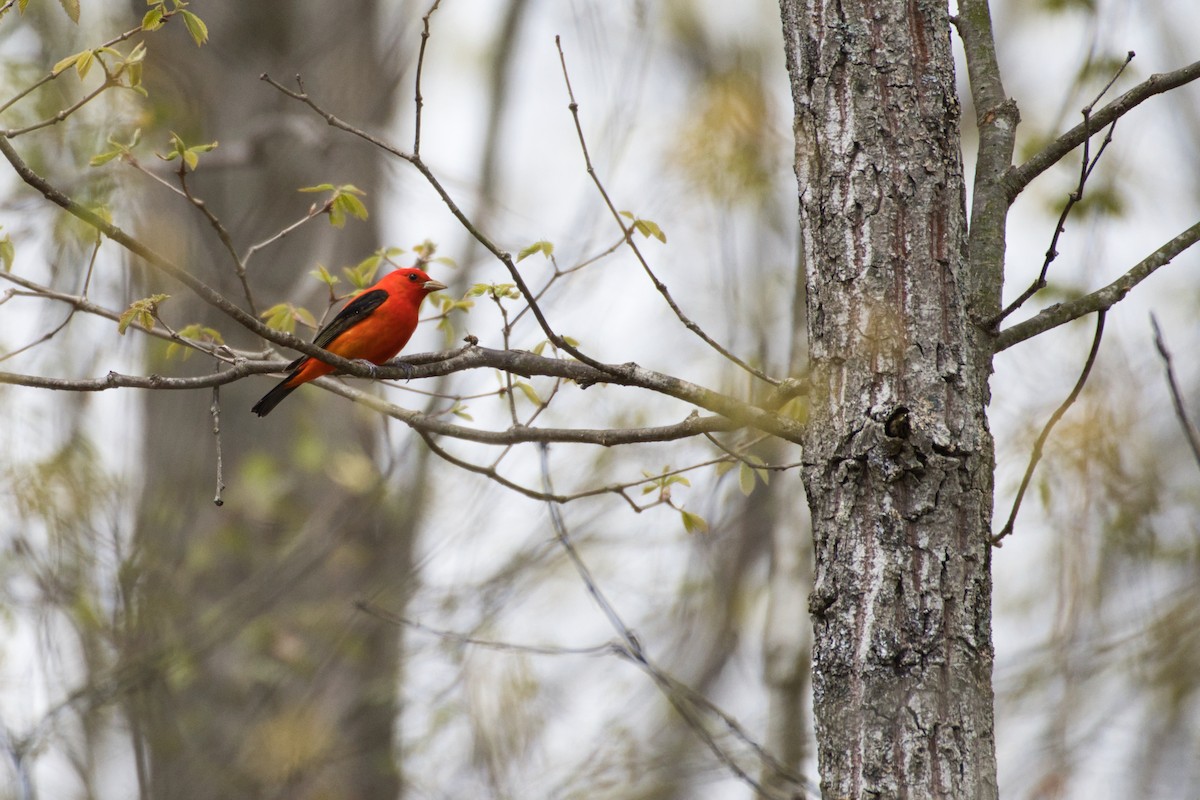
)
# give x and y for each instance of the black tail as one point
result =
(273, 397)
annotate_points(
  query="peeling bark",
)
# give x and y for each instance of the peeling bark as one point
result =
(898, 456)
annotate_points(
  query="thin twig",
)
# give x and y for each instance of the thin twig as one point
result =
(1036, 455)
(683, 702)
(87, 280)
(215, 410)
(1185, 422)
(1087, 165)
(627, 234)
(1101, 299)
(239, 264)
(1019, 177)
(488, 644)
(420, 101)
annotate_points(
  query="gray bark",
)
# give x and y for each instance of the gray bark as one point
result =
(898, 456)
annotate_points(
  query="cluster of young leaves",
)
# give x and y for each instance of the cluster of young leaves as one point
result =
(496, 291)
(141, 313)
(542, 246)
(661, 483)
(190, 155)
(750, 471)
(284, 316)
(127, 66)
(158, 15)
(119, 149)
(645, 227)
(343, 200)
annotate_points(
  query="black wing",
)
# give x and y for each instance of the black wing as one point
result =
(355, 311)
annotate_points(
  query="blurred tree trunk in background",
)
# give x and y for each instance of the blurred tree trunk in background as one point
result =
(898, 456)
(272, 684)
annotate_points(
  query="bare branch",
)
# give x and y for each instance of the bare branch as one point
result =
(420, 101)
(115, 380)
(1189, 428)
(627, 234)
(62, 114)
(70, 314)
(1101, 299)
(1087, 165)
(1036, 455)
(686, 701)
(606, 649)
(1021, 176)
(215, 410)
(521, 362)
(239, 264)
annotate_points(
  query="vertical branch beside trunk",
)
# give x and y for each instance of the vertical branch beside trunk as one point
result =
(898, 456)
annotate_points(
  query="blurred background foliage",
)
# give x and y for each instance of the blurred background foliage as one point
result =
(160, 645)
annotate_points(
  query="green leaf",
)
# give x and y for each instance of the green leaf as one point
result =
(140, 312)
(543, 247)
(528, 391)
(343, 204)
(647, 228)
(103, 158)
(72, 9)
(195, 26)
(66, 62)
(153, 19)
(84, 63)
(693, 523)
(323, 275)
(7, 252)
(460, 410)
(362, 275)
(540, 346)
(280, 317)
(745, 479)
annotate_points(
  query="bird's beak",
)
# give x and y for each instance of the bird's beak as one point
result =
(434, 286)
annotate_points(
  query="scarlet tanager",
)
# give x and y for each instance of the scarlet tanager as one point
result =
(372, 327)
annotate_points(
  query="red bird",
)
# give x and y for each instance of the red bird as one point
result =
(372, 327)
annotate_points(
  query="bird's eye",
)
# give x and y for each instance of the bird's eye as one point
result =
(412, 276)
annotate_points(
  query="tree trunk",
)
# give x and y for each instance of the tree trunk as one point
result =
(273, 685)
(898, 456)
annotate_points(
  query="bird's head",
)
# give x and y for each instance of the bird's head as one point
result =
(415, 281)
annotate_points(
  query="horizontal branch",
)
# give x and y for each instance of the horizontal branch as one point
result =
(1019, 177)
(116, 380)
(693, 425)
(521, 362)
(1101, 299)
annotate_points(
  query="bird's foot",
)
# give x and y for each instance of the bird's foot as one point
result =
(371, 368)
